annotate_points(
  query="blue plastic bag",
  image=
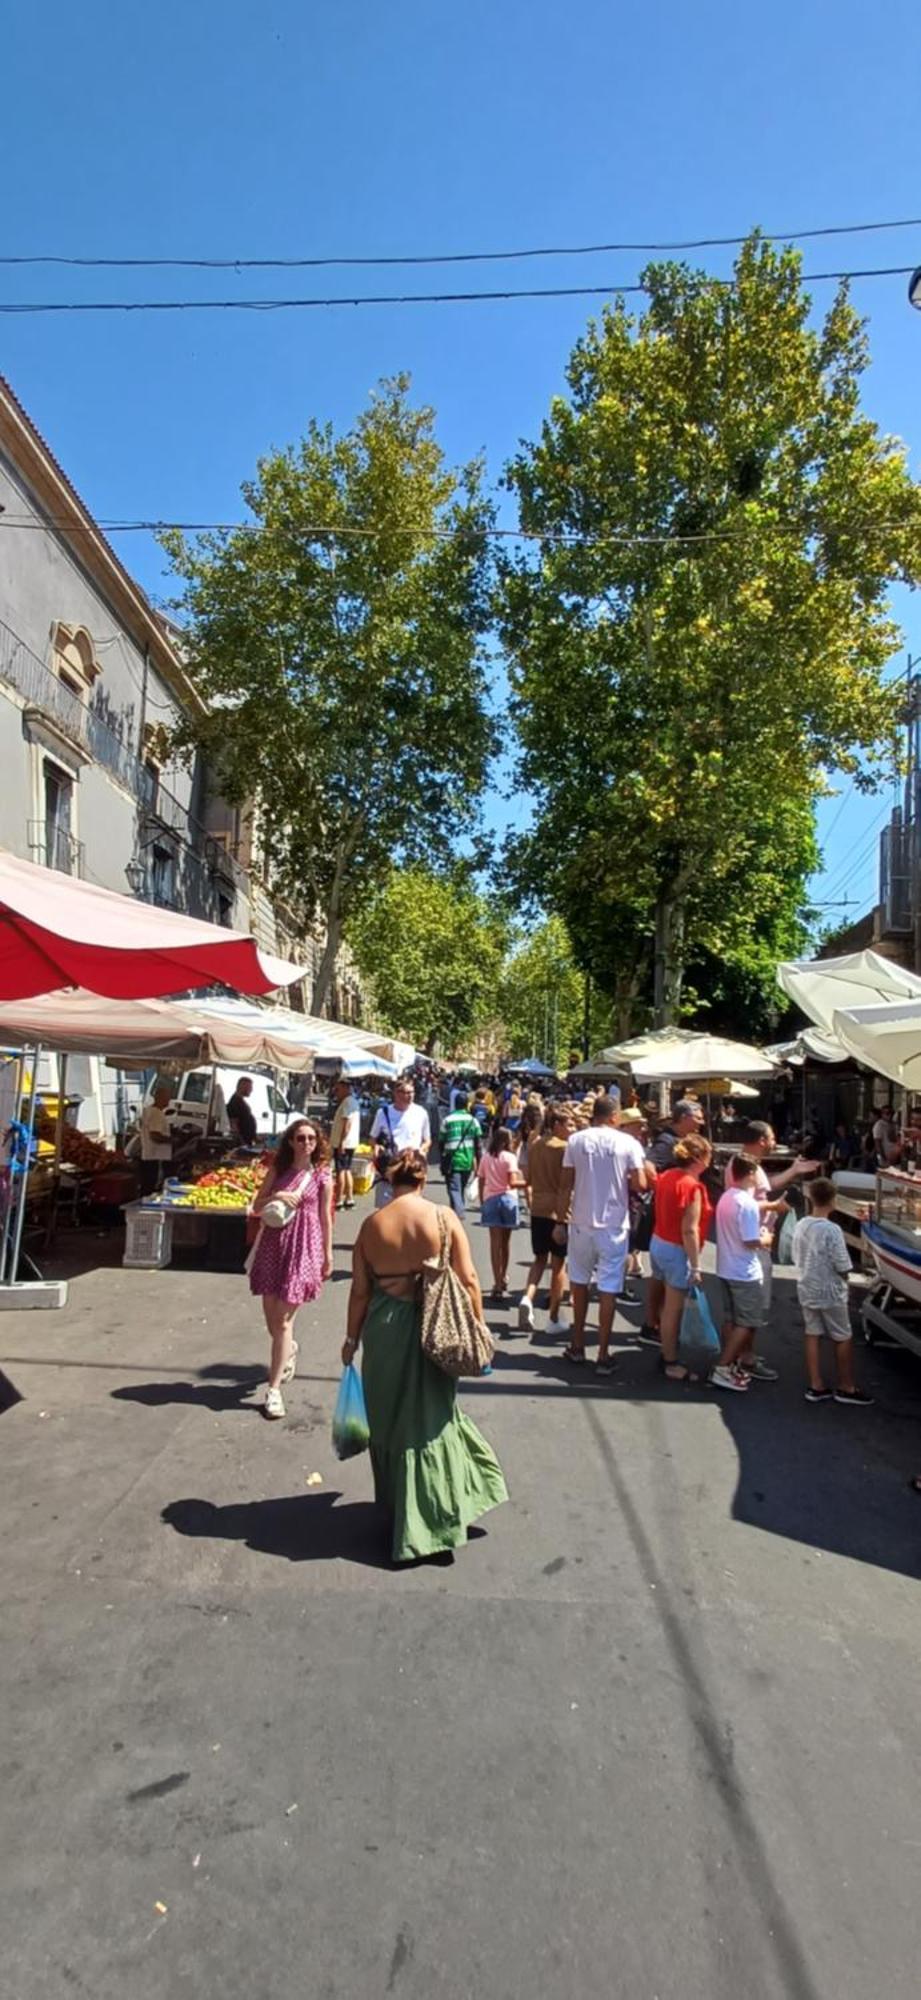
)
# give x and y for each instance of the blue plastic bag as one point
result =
(698, 1340)
(350, 1417)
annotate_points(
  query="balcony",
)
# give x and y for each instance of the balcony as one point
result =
(53, 847)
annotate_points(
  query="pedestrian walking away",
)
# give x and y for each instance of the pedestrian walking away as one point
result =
(397, 1126)
(683, 1217)
(686, 1118)
(548, 1229)
(433, 1470)
(823, 1267)
(293, 1254)
(460, 1145)
(344, 1137)
(499, 1180)
(601, 1168)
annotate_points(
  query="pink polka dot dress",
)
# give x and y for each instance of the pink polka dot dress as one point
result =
(288, 1263)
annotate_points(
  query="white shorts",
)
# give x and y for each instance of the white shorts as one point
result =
(596, 1250)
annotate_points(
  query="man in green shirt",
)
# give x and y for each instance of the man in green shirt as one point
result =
(460, 1146)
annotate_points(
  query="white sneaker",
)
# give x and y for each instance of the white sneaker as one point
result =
(290, 1367)
(557, 1326)
(274, 1405)
(729, 1378)
(525, 1316)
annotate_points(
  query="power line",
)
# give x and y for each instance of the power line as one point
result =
(451, 256)
(614, 290)
(561, 539)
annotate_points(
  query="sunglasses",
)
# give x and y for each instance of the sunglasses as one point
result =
(305, 1138)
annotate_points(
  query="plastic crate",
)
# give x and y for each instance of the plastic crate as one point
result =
(148, 1238)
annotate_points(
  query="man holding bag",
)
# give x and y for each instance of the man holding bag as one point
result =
(460, 1144)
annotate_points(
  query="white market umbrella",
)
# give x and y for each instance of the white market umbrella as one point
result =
(821, 987)
(886, 1039)
(291, 1033)
(702, 1056)
(651, 1044)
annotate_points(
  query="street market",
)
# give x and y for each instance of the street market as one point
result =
(460, 1005)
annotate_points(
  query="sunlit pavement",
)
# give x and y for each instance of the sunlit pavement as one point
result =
(655, 1733)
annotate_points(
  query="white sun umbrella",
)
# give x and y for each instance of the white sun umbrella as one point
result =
(639, 1047)
(821, 987)
(702, 1056)
(886, 1039)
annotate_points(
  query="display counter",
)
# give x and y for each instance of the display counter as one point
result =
(209, 1214)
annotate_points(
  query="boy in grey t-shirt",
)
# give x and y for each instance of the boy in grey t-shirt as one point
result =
(822, 1268)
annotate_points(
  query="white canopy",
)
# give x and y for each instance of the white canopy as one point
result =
(701, 1056)
(235, 1032)
(823, 986)
(652, 1044)
(811, 1045)
(887, 1039)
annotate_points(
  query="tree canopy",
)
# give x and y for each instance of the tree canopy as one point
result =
(540, 997)
(339, 642)
(430, 949)
(687, 672)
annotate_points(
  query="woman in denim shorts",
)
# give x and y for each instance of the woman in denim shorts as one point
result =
(683, 1213)
(499, 1180)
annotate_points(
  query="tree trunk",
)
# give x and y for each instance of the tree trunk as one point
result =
(669, 958)
(326, 967)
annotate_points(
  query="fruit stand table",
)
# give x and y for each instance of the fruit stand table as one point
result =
(210, 1215)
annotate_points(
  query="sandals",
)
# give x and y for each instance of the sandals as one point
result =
(674, 1371)
(575, 1355)
(604, 1367)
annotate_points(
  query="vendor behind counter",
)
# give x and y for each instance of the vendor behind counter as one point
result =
(156, 1140)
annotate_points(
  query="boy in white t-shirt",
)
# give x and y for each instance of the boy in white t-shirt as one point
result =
(740, 1236)
(822, 1270)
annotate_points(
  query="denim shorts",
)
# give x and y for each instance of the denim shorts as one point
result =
(670, 1263)
(500, 1211)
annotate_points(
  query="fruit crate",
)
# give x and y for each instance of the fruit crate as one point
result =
(148, 1238)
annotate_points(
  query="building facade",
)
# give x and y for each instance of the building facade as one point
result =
(92, 686)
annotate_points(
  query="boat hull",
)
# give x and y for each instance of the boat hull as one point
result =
(897, 1261)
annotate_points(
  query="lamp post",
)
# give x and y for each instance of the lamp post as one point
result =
(914, 289)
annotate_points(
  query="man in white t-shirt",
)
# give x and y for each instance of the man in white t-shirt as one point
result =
(602, 1167)
(156, 1140)
(397, 1126)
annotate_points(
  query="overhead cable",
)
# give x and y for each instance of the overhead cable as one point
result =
(613, 290)
(405, 260)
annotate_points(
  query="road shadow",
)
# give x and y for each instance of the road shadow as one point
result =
(196, 1395)
(306, 1527)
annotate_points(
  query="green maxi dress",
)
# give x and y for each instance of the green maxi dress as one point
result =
(433, 1469)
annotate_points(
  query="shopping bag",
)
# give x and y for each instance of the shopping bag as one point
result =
(350, 1417)
(785, 1239)
(472, 1192)
(698, 1340)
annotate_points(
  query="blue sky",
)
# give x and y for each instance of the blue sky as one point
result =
(220, 129)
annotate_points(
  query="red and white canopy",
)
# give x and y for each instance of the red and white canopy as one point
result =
(55, 932)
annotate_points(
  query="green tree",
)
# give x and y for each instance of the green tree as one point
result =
(687, 672)
(430, 947)
(540, 998)
(339, 642)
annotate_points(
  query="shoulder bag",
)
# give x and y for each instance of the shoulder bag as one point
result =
(451, 1335)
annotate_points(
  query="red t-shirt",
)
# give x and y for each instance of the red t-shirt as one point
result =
(675, 1190)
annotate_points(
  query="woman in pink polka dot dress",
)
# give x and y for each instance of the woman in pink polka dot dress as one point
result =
(290, 1264)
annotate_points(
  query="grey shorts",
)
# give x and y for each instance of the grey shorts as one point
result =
(743, 1301)
(832, 1321)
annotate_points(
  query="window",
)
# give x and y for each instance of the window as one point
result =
(75, 661)
(58, 802)
(163, 876)
(224, 910)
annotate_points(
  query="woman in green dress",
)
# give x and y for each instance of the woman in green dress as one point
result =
(433, 1470)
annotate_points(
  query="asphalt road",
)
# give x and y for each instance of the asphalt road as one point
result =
(655, 1734)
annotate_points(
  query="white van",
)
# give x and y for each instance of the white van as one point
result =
(192, 1097)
